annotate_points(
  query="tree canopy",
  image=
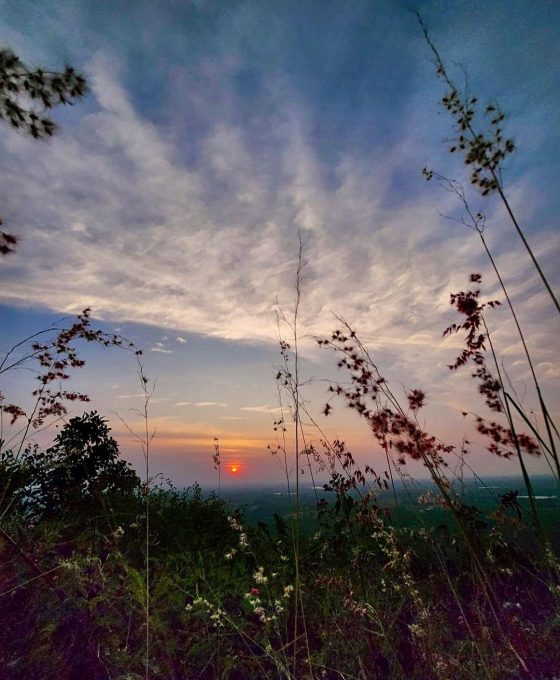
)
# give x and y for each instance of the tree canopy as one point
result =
(80, 469)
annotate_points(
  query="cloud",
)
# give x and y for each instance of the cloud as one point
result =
(181, 340)
(264, 408)
(201, 404)
(160, 347)
(208, 243)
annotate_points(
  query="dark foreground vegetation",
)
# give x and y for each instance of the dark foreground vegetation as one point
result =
(375, 601)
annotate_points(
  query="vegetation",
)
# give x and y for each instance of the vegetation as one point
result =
(26, 97)
(104, 575)
(375, 600)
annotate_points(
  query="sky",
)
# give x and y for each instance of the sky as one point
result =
(171, 199)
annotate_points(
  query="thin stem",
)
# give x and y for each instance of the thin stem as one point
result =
(494, 172)
(477, 224)
(524, 471)
(524, 240)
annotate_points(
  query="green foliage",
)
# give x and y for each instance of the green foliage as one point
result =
(75, 475)
(379, 601)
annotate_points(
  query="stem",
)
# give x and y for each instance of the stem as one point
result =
(32, 565)
(525, 473)
(146, 450)
(391, 475)
(525, 348)
(525, 243)
(533, 430)
(298, 427)
(495, 175)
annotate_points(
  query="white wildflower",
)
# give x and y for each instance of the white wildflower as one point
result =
(234, 524)
(259, 576)
(287, 591)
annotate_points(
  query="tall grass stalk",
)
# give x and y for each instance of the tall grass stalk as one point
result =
(476, 222)
(289, 379)
(524, 471)
(484, 154)
(395, 429)
(144, 439)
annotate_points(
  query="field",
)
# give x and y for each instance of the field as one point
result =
(261, 503)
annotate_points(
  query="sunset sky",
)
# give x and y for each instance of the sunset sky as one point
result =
(171, 198)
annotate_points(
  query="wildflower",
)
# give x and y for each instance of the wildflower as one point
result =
(261, 614)
(511, 605)
(288, 590)
(230, 554)
(243, 542)
(253, 597)
(70, 565)
(234, 524)
(216, 618)
(259, 576)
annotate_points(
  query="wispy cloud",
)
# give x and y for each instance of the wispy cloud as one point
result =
(203, 238)
(181, 340)
(201, 404)
(264, 408)
(160, 347)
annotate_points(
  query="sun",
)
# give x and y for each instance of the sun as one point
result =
(234, 468)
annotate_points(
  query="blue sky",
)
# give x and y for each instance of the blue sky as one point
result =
(171, 199)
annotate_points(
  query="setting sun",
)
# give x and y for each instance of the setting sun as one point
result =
(234, 469)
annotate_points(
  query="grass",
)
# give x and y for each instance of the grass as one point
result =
(381, 599)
